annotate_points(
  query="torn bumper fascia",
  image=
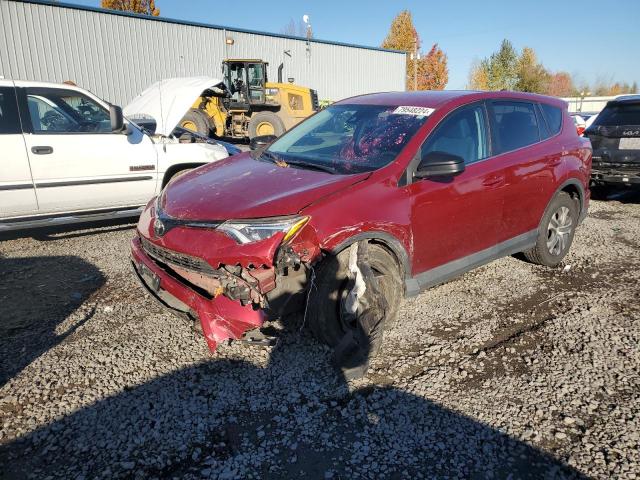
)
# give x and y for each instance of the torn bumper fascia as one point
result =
(221, 318)
(230, 293)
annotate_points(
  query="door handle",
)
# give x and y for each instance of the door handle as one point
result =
(42, 150)
(492, 181)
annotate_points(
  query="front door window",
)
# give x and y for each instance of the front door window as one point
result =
(66, 111)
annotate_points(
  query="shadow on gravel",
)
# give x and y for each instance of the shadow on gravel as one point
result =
(619, 194)
(36, 295)
(71, 231)
(293, 418)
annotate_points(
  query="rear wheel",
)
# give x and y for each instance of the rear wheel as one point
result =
(556, 231)
(328, 318)
(196, 121)
(265, 123)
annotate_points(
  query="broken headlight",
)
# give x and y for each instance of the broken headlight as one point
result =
(247, 231)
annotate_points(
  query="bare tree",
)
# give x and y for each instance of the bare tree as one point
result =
(295, 29)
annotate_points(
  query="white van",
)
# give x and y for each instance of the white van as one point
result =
(67, 156)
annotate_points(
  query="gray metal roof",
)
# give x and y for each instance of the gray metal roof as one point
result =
(199, 24)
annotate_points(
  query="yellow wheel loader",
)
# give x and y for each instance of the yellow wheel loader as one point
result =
(252, 106)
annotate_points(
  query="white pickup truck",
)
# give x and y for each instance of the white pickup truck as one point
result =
(66, 156)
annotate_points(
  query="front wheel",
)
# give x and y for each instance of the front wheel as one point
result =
(328, 316)
(196, 121)
(265, 123)
(556, 231)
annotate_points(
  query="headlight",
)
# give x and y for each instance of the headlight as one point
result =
(247, 231)
(271, 91)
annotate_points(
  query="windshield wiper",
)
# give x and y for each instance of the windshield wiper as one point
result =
(312, 166)
(272, 157)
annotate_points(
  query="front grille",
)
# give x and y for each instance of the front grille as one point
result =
(314, 100)
(175, 258)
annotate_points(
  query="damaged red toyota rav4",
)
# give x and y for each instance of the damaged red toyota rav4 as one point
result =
(373, 198)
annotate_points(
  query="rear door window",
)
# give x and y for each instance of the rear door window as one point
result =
(515, 125)
(9, 120)
(553, 116)
(618, 115)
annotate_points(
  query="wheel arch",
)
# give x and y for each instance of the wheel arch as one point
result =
(173, 169)
(576, 190)
(385, 240)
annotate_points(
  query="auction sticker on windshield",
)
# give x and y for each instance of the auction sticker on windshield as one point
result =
(417, 111)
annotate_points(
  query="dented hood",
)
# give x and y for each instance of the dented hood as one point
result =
(167, 101)
(241, 187)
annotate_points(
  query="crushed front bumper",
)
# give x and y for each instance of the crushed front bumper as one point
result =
(221, 318)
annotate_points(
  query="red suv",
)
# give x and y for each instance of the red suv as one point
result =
(381, 195)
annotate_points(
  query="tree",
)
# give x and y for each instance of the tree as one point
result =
(502, 68)
(402, 33)
(560, 85)
(294, 29)
(532, 76)
(478, 77)
(432, 70)
(433, 73)
(144, 7)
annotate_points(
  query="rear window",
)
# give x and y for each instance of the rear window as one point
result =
(553, 116)
(516, 124)
(620, 114)
(9, 121)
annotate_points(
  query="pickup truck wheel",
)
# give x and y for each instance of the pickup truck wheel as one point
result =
(196, 121)
(265, 123)
(326, 308)
(556, 231)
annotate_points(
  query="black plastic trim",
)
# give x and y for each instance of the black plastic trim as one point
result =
(22, 186)
(450, 270)
(576, 183)
(93, 182)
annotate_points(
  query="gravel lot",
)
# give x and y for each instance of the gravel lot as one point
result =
(511, 371)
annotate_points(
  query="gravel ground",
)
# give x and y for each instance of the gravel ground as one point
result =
(511, 371)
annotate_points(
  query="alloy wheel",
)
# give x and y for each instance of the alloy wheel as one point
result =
(559, 230)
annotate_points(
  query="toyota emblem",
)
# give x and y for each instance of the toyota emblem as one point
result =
(159, 228)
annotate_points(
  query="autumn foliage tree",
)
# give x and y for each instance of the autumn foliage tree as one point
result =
(532, 76)
(432, 70)
(506, 69)
(144, 7)
(560, 85)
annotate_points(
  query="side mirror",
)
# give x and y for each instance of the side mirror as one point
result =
(439, 164)
(261, 141)
(117, 120)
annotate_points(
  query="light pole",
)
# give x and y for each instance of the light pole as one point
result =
(415, 56)
(306, 20)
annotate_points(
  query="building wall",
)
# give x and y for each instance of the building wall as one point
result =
(587, 104)
(118, 55)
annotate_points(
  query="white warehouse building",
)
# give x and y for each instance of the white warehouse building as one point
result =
(116, 55)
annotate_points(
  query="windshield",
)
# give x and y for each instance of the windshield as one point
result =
(349, 138)
(622, 114)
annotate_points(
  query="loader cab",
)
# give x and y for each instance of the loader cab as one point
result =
(246, 81)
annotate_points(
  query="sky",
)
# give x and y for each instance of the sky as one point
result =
(593, 40)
